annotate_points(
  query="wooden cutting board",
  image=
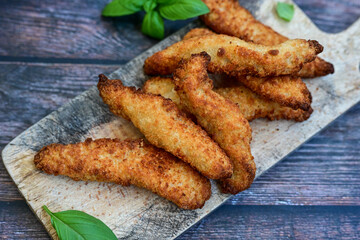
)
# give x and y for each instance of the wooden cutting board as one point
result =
(136, 213)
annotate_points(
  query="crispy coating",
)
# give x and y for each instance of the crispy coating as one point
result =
(285, 90)
(288, 91)
(198, 32)
(127, 162)
(165, 87)
(220, 117)
(251, 105)
(228, 17)
(165, 126)
(317, 68)
(231, 55)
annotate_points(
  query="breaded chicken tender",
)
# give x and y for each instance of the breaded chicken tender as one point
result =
(219, 117)
(165, 87)
(198, 32)
(127, 162)
(165, 126)
(251, 105)
(231, 55)
(228, 17)
(288, 91)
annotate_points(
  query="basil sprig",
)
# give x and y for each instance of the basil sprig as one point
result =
(285, 11)
(78, 225)
(153, 25)
(156, 10)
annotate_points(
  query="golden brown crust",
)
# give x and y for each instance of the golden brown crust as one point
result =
(251, 105)
(127, 162)
(228, 17)
(317, 68)
(165, 126)
(220, 117)
(287, 91)
(236, 56)
(197, 32)
(164, 87)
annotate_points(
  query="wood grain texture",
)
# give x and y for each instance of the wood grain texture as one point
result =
(280, 222)
(324, 12)
(337, 144)
(30, 91)
(74, 31)
(71, 31)
(242, 222)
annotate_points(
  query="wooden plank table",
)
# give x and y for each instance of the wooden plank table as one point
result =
(51, 51)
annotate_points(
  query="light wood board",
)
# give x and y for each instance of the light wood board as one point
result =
(135, 213)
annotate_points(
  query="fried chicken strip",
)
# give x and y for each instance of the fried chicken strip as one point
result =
(165, 87)
(231, 55)
(288, 91)
(228, 17)
(251, 105)
(127, 162)
(198, 32)
(165, 126)
(219, 117)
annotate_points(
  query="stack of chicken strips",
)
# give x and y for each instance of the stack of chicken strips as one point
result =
(195, 132)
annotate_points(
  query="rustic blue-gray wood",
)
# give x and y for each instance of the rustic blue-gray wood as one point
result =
(301, 179)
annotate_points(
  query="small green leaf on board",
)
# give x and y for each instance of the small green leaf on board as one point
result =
(77, 225)
(285, 11)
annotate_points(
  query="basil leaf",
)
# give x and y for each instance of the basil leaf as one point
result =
(153, 25)
(115, 9)
(119, 8)
(165, 1)
(78, 225)
(285, 11)
(135, 5)
(149, 5)
(183, 9)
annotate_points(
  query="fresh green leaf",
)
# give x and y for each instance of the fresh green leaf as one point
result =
(119, 8)
(162, 2)
(183, 9)
(77, 225)
(135, 5)
(153, 25)
(149, 5)
(285, 11)
(116, 9)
